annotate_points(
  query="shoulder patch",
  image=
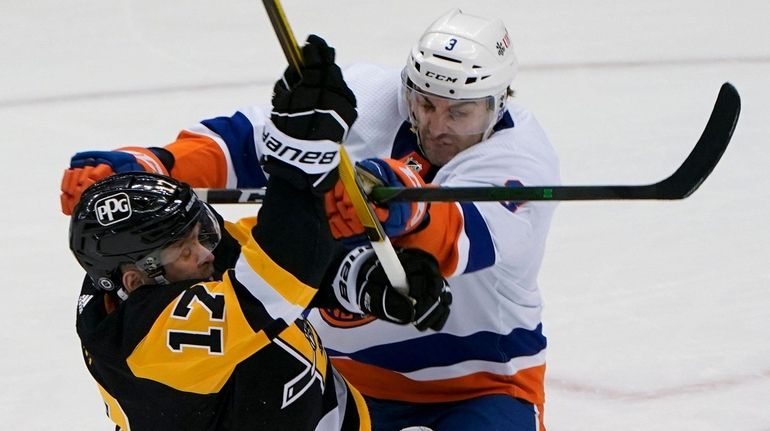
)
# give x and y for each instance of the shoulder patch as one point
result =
(82, 301)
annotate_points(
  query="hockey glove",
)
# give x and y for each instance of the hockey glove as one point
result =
(313, 110)
(89, 167)
(361, 286)
(397, 218)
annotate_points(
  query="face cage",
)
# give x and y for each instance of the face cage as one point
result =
(208, 236)
(495, 107)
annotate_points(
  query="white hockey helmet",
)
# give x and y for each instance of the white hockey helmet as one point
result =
(462, 56)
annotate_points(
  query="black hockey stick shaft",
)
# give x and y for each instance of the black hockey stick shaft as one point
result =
(682, 183)
(230, 196)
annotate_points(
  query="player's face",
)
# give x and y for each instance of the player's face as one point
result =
(447, 127)
(188, 258)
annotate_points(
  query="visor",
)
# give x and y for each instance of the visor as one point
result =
(445, 115)
(201, 239)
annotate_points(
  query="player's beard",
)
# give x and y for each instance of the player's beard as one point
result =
(203, 271)
(440, 149)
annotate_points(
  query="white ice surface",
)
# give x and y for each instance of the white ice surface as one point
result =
(658, 313)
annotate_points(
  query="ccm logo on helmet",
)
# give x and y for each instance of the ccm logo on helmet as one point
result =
(439, 77)
(112, 209)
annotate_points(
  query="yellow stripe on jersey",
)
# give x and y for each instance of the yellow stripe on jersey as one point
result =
(291, 289)
(114, 411)
(241, 230)
(193, 346)
(365, 421)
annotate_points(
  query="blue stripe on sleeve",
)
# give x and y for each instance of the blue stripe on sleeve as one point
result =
(238, 134)
(482, 250)
(440, 350)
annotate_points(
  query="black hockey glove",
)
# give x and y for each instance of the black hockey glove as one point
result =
(361, 286)
(313, 109)
(318, 105)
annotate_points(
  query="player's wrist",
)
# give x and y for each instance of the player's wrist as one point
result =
(146, 158)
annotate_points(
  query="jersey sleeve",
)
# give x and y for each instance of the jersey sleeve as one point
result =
(221, 152)
(460, 242)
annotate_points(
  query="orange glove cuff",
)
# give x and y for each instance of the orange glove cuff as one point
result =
(75, 181)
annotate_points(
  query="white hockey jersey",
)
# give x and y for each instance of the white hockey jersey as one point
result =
(493, 340)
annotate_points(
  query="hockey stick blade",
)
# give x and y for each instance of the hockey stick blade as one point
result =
(682, 183)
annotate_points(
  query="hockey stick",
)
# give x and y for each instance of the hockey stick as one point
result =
(681, 184)
(372, 227)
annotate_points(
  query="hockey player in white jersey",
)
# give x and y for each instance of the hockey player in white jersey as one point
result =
(446, 116)
(485, 368)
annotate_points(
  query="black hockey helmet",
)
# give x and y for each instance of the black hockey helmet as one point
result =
(129, 218)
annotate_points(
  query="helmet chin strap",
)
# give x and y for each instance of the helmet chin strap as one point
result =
(416, 132)
(501, 102)
(154, 273)
(122, 293)
(488, 132)
(160, 279)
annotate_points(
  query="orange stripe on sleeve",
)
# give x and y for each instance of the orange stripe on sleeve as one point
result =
(373, 381)
(439, 238)
(198, 160)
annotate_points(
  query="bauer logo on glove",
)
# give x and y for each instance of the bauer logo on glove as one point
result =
(312, 157)
(361, 287)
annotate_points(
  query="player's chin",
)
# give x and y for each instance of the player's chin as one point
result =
(439, 155)
(207, 273)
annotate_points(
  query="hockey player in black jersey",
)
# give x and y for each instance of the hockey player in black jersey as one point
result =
(191, 323)
(172, 350)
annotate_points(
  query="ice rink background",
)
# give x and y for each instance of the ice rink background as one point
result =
(657, 313)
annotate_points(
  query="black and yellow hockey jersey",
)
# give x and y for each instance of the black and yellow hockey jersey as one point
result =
(230, 355)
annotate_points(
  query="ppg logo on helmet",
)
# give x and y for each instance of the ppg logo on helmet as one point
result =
(112, 209)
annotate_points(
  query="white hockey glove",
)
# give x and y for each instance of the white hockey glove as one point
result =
(361, 286)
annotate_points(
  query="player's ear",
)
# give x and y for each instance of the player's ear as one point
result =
(133, 277)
